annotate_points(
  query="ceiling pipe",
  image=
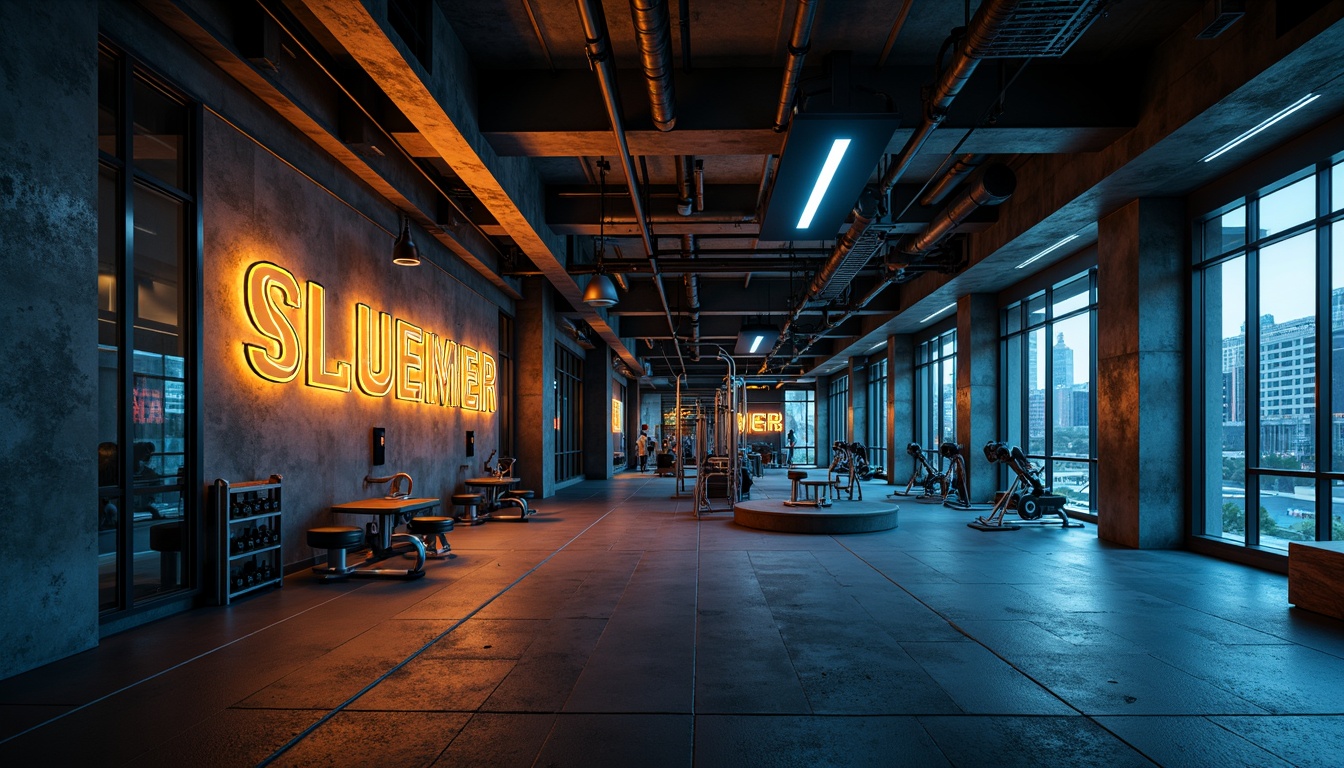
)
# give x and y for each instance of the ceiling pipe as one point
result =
(983, 28)
(692, 281)
(940, 189)
(700, 187)
(799, 43)
(685, 198)
(995, 185)
(653, 32)
(598, 47)
(684, 19)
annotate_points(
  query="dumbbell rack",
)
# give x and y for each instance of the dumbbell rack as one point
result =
(248, 537)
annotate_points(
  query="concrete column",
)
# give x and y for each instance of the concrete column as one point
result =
(1141, 278)
(535, 402)
(900, 405)
(597, 442)
(49, 318)
(978, 386)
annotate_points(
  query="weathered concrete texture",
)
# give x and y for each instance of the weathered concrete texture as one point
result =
(257, 208)
(978, 388)
(1141, 427)
(49, 319)
(534, 410)
(597, 437)
(900, 404)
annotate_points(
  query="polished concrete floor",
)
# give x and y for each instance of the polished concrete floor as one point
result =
(616, 629)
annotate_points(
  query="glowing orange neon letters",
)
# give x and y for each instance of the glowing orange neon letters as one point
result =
(392, 356)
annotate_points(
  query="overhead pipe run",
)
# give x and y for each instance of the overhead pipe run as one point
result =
(653, 32)
(685, 198)
(692, 282)
(940, 189)
(799, 43)
(598, 48)
(995, 185)
(984, 26)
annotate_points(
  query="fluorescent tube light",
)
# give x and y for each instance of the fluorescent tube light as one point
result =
(1276, 117)
(939, 312)
(1060, 244)
(755, 345)
(823, 181)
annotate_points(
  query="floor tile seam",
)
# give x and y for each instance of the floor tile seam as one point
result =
(779, 630)
(383, 676)
(181, 664)
(954, 625)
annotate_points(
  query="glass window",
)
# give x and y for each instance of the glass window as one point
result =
(1260, 443)
(1223, 233)
(146, 457)
(837, 409)
(800, 418)
(1337, 187)
(936, 392)
(1047, 370)
(568, 424)
(877, 413)
(1289, 206)
(504, 382)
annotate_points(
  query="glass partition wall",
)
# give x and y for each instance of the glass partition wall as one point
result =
(877, 413)
(1270, 455)
(1048, 359)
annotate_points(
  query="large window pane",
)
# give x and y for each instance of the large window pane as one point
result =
(1226, 232)
(1015, 384)
(1287, 510)
(1337, 187)
(1071, 296)
(160, 134)
(1287, 358)
(1337, 505)
(1224, 386)
(1288, 207)
(1337, 341)
(1072, 386)
(1036, 392)
(109, 103)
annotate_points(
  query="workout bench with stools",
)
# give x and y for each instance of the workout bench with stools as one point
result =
(469, 502)
(807, 493)
(518, 498)
(337, 540)
(433, 531)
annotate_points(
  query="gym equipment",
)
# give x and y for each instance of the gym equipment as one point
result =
(956, 490)
(849, 465)
(1036, 505)
(719, 463)
(932, 482)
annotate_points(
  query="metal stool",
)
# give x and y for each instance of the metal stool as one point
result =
(337, 540)
(433, 531)
(796, 476)
(518, 498)
(468, 502)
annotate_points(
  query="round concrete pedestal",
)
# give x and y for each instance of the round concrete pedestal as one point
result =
(840, 517)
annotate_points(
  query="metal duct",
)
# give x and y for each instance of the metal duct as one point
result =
(992, 187)
(700, 186)
(685, 200)
(692, 282)
(799, 43)
(988, 19)
(940, 189)
(653, 32)
(598, 48)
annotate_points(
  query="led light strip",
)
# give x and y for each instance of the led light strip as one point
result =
(1060, 244)
(1276, 117)
(755, 345)
(823, 181)
(939, 312)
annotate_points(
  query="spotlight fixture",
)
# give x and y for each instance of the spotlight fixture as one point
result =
(601, 291)
(755, 338)
(404, 252)
(939, 312)
(1060, 244)
(1272, 119)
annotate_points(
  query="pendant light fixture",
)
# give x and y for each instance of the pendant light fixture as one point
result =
(404, 252)
(601, 291)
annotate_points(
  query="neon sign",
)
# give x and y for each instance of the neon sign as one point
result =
(759, 421)
(616, 421)
(392, 355)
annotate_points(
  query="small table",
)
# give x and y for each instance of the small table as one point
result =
(493, 488)
(389, 513)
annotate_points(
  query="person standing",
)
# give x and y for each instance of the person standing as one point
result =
(642, 450)
(792, 441)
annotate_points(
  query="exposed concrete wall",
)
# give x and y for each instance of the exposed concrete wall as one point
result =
(1141, 391)
(49, 319)
(977, 387)
(257, 208)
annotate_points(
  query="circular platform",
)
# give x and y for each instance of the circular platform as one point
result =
(840, 517)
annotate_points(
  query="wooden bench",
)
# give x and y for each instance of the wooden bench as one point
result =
(1316, 576)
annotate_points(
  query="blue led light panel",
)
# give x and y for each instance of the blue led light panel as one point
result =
(811, 139)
